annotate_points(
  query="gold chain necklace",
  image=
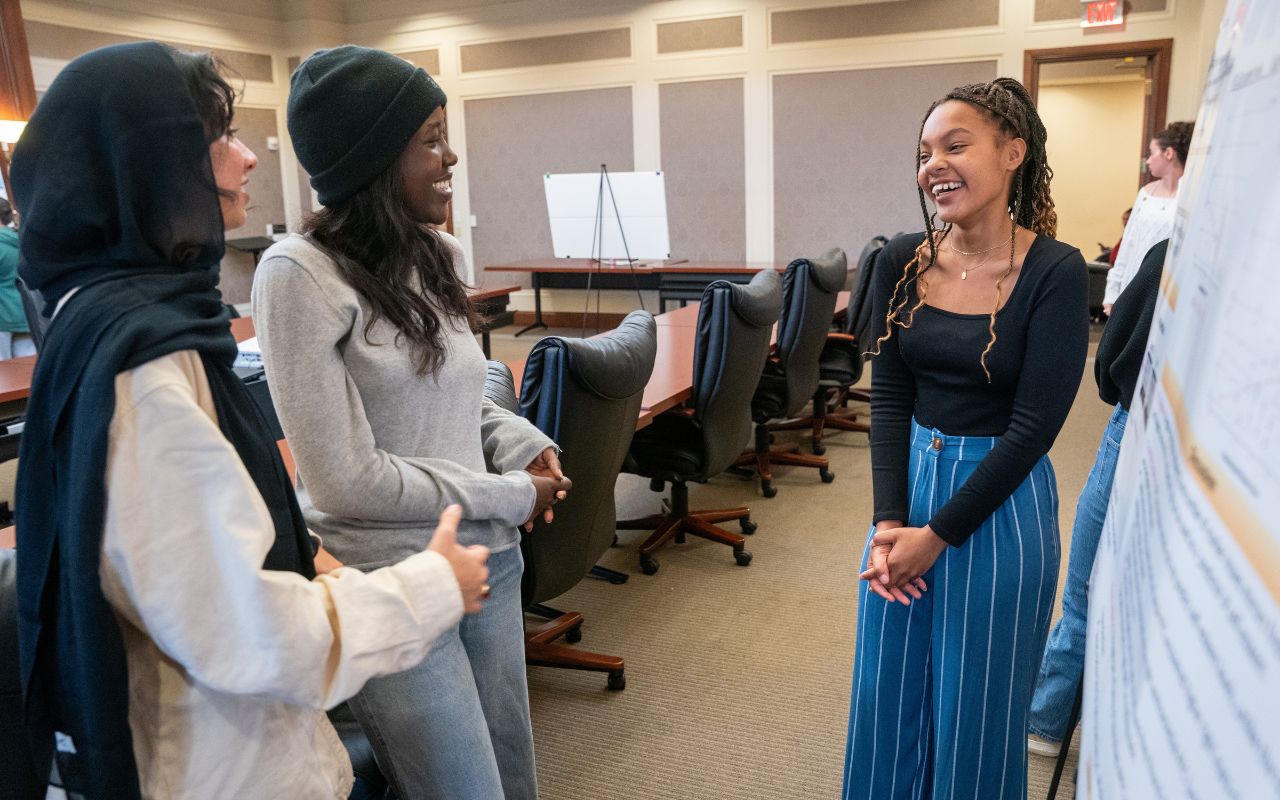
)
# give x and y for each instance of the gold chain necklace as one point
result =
(960, 252)
(964, 273)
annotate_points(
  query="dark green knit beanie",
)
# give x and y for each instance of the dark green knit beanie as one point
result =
(352, 110)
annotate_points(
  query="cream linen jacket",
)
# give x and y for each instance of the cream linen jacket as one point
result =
(231, 666)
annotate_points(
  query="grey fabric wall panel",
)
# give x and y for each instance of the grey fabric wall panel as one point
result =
(565, 48)
(843, 152)
(876, 19)
(699, 34)
(62, 42)
(703, 164)
(427, 59)
(1050, 10)
(513, 141)
(266, 199)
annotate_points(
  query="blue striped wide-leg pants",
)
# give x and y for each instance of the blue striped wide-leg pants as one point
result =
(941, 688)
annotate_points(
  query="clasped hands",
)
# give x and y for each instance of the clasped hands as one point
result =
(549, 483)
(899, 557)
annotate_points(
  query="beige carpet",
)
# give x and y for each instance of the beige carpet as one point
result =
(737, 678)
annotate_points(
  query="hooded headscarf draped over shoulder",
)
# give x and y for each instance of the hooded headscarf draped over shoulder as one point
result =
(120, 205)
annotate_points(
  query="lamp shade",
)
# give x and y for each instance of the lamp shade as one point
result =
(11, 130)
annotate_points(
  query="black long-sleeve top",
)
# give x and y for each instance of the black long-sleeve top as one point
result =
(1124, 340)
(932, 370)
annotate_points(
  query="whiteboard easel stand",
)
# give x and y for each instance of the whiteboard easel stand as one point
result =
(597, 247)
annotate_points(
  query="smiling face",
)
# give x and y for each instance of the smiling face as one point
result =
(426, 166)
(232, 161)
(966, 163)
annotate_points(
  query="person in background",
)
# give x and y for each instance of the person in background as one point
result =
(1114, 250)
(1153, 210)
(366, 332)
(1116, 368)
(175, 640)
(15, 338)
(986, 332)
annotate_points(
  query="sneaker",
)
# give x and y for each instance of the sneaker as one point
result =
(1043, 747)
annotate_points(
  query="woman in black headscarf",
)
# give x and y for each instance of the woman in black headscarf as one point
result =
(174, 638)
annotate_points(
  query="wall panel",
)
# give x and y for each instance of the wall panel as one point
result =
(703, 165)
(1050, 10)
(513, 141)
(876, 19)
(565, 48)
(699, 34)
(843, 152)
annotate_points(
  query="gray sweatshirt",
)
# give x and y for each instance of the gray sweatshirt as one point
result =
(380, 449)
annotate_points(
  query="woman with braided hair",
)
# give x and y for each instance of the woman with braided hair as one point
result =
(986, 331)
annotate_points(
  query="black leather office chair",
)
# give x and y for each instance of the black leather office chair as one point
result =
(20, 779)
(790, 377)
(585, 394)
(840, 364)
(500, 387)
(693, 443)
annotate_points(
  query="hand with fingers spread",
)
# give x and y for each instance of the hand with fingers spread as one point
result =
(468, 563)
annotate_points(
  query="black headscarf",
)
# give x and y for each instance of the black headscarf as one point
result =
(120, 204)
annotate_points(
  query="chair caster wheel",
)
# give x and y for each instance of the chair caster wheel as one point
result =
(748, 527)
(827, 475)
(819, 449)
(768, 490)
(743, 557)
(648, 566)
(617, 681)
(573, 635)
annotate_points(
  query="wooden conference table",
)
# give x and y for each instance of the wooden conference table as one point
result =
(552, 273)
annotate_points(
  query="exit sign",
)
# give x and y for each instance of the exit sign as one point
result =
(1101, 13)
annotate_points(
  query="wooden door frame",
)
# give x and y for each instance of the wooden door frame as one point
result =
(1159, 55)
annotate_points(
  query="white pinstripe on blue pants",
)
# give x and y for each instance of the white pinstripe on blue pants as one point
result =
(941, 688)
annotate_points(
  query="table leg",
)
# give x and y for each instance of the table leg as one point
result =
(537, 306)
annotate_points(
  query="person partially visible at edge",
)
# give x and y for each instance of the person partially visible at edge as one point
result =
(1153, 210)
(1116, 368)
(984, 340)
(175, 639)
(366, 332)
(15, 338)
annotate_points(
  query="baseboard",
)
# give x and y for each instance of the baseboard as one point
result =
(573, 319)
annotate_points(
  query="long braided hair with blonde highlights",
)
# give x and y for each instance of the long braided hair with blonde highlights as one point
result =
(1009, 105)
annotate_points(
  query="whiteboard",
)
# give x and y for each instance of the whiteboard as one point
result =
(1182, 673)
(641, 198)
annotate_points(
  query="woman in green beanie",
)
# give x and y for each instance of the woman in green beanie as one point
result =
(378, 381)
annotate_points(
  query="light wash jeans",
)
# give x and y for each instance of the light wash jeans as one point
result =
(456, 727)
(1063, 663)
(13, 345)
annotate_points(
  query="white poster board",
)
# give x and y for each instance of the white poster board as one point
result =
(1182, 684)
(641, 198)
